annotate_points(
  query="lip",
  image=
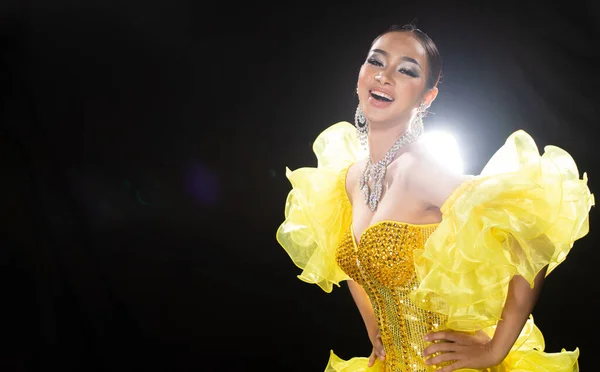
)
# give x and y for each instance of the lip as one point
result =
(378, 104)
(389, 93)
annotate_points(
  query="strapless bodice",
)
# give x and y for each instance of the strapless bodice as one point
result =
(383, 251)
(381, 260)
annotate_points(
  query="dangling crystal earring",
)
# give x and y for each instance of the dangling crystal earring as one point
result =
(362, 126)
(416, 126)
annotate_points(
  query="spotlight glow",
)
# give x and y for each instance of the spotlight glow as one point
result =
(444, 149)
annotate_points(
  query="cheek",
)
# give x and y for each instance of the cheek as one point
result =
(412, 88)
(362, 77)
(363, 82)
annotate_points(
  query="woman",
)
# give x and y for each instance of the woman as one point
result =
(444, 269)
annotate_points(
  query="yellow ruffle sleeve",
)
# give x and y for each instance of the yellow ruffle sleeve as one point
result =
(317, 210)
(524, 212)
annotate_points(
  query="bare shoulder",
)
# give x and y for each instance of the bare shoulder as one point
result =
(431, 180)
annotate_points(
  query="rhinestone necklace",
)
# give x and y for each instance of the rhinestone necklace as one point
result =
(376, 172)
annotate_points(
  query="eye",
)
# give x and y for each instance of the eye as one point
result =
(374, 62)
(408, 72)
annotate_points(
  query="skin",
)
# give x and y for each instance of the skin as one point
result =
(410, 196)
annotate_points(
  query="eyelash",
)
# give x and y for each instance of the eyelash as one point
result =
(375, 62)
(407, 72)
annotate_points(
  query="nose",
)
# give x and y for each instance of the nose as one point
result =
(383, 78)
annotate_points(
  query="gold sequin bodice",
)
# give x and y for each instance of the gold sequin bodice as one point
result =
(382, 262)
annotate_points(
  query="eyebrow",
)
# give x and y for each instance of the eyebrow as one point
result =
(386, 54)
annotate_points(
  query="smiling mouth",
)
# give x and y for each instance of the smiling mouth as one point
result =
(380, 96)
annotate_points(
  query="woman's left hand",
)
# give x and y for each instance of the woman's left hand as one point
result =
(467, 351)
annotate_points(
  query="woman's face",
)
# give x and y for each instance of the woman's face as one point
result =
(392, 80)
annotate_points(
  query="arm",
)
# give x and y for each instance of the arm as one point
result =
(366, 311)
(365, 308)
(478, 351)
(519, 304)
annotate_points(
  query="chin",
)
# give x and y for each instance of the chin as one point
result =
(378, 117)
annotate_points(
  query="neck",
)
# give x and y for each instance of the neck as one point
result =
(383, 136)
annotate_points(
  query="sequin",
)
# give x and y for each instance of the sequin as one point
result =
(347, 258)
(382, 263)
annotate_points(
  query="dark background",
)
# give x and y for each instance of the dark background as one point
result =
(143, 148)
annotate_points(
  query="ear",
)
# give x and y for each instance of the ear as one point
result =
(430, 96)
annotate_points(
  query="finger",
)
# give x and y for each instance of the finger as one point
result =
(371, 360)
(445, 357)
(441, 347)
(453, 367)
(445, 336)
(380, 350)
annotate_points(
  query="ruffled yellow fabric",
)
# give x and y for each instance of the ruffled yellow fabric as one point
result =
(317, 210)
(522, 213)
(358, 364)
(526, 355)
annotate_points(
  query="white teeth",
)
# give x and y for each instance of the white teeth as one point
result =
(381, 94)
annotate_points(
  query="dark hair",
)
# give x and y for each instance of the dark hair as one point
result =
(433, 55)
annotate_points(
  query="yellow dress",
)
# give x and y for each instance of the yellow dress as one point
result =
(522, 213)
